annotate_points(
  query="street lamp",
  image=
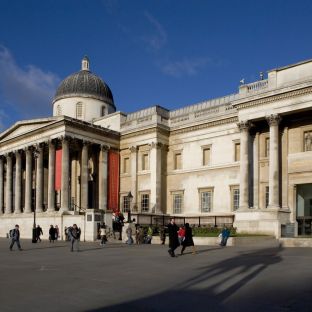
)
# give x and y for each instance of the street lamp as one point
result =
(34, 236)
(130, 197)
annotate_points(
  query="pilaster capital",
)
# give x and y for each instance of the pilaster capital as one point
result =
(244, 125)
(273, 119)
(156, 145)
(133, 149)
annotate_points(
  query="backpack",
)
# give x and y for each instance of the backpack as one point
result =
(11, 233)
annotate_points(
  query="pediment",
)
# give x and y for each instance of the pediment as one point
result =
(23, 127)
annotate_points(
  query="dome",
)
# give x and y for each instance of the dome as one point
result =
(84, 84)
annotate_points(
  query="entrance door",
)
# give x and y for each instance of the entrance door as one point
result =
(304, 209)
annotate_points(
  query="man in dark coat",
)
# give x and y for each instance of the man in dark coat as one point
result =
(15, 236)
(74, 234)
(173, 237)
(38, 233)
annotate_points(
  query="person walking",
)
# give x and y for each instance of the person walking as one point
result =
(181, 234)
(225, 234)
(188, 239)
(149, 235)
(74, 234)
(173, 237)
(129, 234)
(162, 235)
(15, 237)
(52, 234)
(57, 232)
(103, 234)
(38, 233)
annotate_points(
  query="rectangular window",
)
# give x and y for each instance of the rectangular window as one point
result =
(145, 202)
(266, 196)
(126, 204)
(177, 161)
(145, 164)
(79, 112)
(206, 200)
(235, 198)
(206, 156)
(308, 141)
(267, 147)
(177, 203)
(126, 164)
(237, 152)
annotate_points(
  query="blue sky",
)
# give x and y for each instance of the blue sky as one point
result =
(171, 53)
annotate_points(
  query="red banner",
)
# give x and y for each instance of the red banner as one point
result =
(58, 169)
(113, 181)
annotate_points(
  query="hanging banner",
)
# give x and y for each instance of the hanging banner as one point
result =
(58, 169)
(113, 181)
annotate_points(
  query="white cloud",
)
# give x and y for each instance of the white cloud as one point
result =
(29, 90)
(189, 67)
(158, 38)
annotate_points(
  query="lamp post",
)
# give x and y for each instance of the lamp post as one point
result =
(34, 236)
(130, 197)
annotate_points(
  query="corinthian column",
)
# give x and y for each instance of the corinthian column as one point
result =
(1, 185)
(273, 121)
(28, 179)
(51, 178)
(103, 177)
(65, 176)
(244, 164)
(18, 182)
(39, 179)
(9, 185)
(84, 175)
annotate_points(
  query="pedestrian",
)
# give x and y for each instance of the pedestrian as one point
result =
(52, 234)
(74, 234)
(129, 235)
(57, 232)
(162, 235)
(103, 234)
(173, 237)
(225, 235)
(38, 233)
(15, 237)
(149, 235)
(188, 239)
(181, 234)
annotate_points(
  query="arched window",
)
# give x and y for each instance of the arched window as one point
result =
(58, 110)
(103, 111)
(79, 110)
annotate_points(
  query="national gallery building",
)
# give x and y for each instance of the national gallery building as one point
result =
(243, 159)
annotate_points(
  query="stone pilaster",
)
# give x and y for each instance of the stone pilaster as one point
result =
(39, 178)
(84, 176)
(9, 185)
(244, 127)
(273, 121)
(103, 173)
(51, 178)
(155, 168)
(134, 180)
(18, 183)
(256, 171)
(28, 179)
(65, 175)
(1, 185)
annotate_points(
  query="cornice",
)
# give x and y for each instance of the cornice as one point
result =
(273, 98)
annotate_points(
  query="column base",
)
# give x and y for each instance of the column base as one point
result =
(274, 207)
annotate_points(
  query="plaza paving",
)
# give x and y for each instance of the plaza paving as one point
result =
(48, 277)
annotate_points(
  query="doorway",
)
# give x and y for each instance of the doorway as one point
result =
(304, 209)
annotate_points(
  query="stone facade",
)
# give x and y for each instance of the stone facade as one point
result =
(245, 157)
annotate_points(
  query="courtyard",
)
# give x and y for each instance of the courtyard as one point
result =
(117, 277)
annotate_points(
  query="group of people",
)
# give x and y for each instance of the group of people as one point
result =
(180, 236)
(54, 233)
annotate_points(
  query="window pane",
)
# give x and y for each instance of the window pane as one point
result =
(79, 110)
(206, 156)
(237, 151)
(177, 161)
(126, 204)
(235, 198)
(145, 202)
(206, 201)
(177, 203)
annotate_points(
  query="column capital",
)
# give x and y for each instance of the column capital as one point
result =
(244, 125)
(273, 119)
(86, 143)
(104, 147)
